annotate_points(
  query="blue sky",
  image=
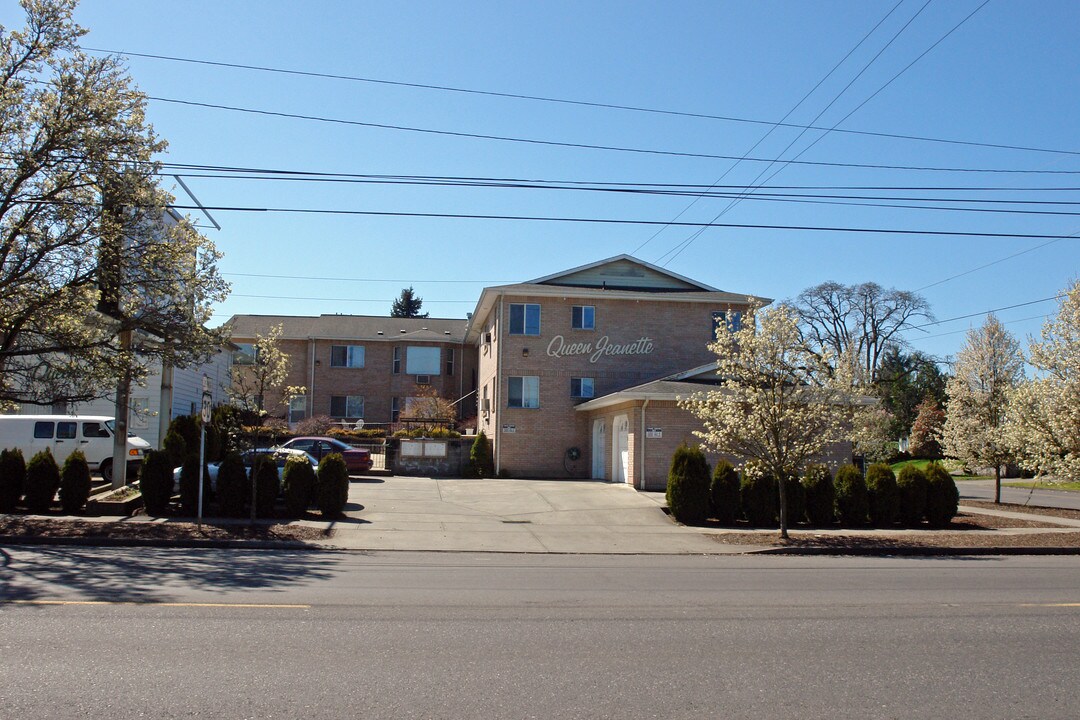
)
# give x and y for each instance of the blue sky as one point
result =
(1008, 75)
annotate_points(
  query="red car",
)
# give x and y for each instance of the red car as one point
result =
(356, 459)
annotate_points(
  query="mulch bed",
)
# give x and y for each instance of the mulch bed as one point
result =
(14, 526)
(1029, 509)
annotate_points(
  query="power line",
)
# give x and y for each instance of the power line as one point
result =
(985, 312)
(994, 262)
(356, 279)
(1007, 322)
(581, 103)
(588, 146)
(379, 300)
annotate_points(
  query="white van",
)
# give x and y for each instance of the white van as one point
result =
(63, 434)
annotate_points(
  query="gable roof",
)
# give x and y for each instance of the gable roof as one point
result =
(623, 272)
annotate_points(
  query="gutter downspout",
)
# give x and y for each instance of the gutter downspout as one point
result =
(641, 474)
(310, 410)
(498, 386)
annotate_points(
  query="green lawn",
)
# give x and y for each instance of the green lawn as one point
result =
(922, 464)
(1026, 484)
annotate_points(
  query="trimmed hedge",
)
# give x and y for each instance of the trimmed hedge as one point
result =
(852, 501)
(42, 482)
(233, 486)
(724, 493)
(796, 500)
(688, 485)
(911, 487)
(884, 501)
(820, 495)
(189, 486)
(332, 486)
(12, 479)
(267, 485)
(74, 483)
(299, 480)
(942, 497)
(156, 481)
(759, 497)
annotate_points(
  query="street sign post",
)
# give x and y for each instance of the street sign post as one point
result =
(207, 402)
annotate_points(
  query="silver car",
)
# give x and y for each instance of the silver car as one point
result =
(279, 455)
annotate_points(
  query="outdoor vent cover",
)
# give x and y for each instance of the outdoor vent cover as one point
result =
(423, 379)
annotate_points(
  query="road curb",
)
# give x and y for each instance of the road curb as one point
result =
(918, 551)
(163, 543)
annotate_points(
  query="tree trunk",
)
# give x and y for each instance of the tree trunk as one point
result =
(783, 508)
(120, 422)
(997, 484)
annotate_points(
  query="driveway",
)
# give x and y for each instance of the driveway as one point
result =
(984, 490)
(542, 516)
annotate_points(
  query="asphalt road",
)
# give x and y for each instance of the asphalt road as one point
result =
(143, 633)
(984, 490)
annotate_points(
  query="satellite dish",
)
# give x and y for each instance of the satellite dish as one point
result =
(359, 424)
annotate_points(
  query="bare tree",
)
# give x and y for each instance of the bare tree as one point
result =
(857, 321)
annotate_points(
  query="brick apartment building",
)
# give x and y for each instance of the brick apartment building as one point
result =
(579, 372)
(361, 367)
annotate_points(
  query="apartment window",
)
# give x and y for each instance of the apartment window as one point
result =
(449, 361)
(422, 360)
(297, 408)
(524, 319)
(485, 406)
(583, 317)
(524, 392)
(350, 356)
(397, 361)
(346, 406)
(581, 387)
(733, 319)
(395, 409)
(246, 354)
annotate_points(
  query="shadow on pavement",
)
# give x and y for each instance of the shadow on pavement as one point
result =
(136, 574)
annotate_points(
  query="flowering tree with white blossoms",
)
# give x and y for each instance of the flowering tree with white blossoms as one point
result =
(1043, 423)
(988, 367)
(777, 402)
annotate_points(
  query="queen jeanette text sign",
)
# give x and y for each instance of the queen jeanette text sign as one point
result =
(602, 347)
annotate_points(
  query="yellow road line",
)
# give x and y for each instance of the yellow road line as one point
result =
(152, 602)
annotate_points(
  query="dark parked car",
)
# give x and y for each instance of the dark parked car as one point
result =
(357, 460)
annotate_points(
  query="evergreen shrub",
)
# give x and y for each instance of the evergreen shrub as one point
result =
(233, 486)
(796, 500)
(758, 496)
(299, 480)
(175, 448)
(942, 497)
(42, 482)
(884, 500)
(189, 485)
(12, 479)
(820, 495)
(688, 485)
(911, 487)
(852, 502)
(74, 483)
(267, 485)
(332, 486)
(724, 493)
(481, 463)
(156, 481)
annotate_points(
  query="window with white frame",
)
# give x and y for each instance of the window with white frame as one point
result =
(583, 317)
(395, 409)
(397, 360)
(346, 406)
(347, 356)
(297, 408)
(449, 362)
(420, 360)
(524, 319)
(581, 387)
(524, 392)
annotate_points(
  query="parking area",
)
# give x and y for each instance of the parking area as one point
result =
(544, 516)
